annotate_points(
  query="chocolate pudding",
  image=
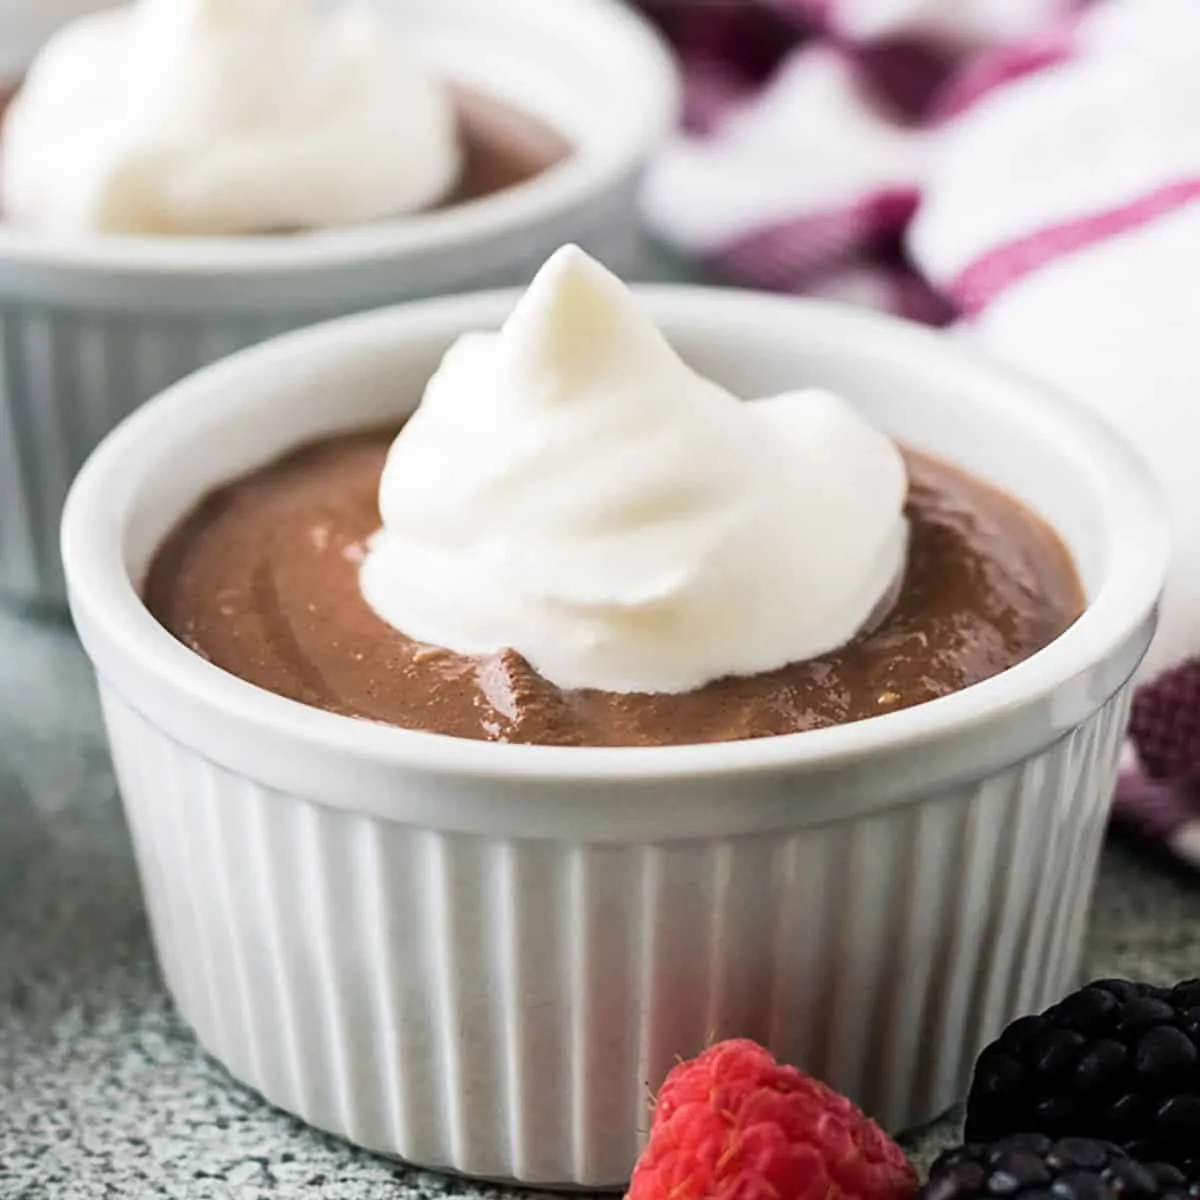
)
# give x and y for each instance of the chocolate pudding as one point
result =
(503, 146)
(262, 580)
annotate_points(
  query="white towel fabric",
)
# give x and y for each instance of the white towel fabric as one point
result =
(814, 143)
(806, 182)
(960, 24)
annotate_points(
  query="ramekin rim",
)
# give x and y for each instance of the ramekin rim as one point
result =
(103, 591)
(584, 174)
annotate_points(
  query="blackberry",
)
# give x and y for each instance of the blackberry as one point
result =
(1116, 1060)
(1031, 1166)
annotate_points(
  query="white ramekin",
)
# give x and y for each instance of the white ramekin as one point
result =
(91, 328)
(479, 956)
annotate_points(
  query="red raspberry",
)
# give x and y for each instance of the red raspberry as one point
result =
(735, 1125)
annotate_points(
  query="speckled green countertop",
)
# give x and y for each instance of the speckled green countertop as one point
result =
(104, 1093)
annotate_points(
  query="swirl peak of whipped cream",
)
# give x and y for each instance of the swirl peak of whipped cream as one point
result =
(569, 488)
(225, 117)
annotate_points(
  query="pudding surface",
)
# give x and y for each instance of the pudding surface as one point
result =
(262, 580)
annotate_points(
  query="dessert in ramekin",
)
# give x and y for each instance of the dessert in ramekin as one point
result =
(478, 955)
(94, 324)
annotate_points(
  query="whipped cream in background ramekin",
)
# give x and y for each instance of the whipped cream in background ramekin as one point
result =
(571, 489)
(225, 117)
(93, 325)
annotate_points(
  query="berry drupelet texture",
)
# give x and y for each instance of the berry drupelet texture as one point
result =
(734, 1124)
(1031, 1166)
(1116, 1060)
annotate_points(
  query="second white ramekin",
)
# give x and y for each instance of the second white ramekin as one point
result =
(89, 329)
(480, 956)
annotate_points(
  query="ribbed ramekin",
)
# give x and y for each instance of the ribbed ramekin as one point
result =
(91, 328)
(479, 956)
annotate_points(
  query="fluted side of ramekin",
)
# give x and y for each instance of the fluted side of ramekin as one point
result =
(502, 1006)
(71, 369)
(67, 376)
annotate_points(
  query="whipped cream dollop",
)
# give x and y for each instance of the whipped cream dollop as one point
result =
(571, 489)
(225, 117)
